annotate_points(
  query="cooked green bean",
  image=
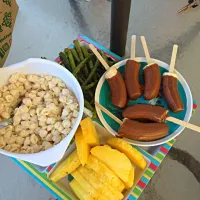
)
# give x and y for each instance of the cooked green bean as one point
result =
(78, 49)
(91, 73)
(82, 64)
(71, 60)
(88, 106)
(65, 61)
(86, 54)
(91, 85)
(74, 53)
(66, 50)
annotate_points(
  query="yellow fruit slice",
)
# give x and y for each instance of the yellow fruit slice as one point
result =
(86, 185)
(130, 181)
(83, 148)
(79, 191)
(114, 160)
(108, 175)
(66, 167)
(133, 154)
(89, 132)
(97, 184)
(103, 197)
(101, 178)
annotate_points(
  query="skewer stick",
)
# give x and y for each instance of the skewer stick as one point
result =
(133, 46)
(173, 59)
(183, 123)
(109, 113)
(146, 51)
(103, 62)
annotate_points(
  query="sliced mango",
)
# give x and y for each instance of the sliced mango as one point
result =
(91, 177)
(114, 160)
(66, 167)
(104, 171)
(83, 148)
(86, 185)
(89, 132)
(133, 154)
(130, 181)
(79, 191)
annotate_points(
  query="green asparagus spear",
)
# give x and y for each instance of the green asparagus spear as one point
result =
(78, 49)
(71, 60)
(91, 85)
(91, 73)
(65, 61)
(74, 53)
(86, 54)
(66, 50)
(82, 64)
(88, 106)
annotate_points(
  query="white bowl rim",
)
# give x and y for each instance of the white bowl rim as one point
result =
(162, 140)
(55, 153)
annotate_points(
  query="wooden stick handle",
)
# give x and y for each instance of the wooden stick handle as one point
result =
(146, 51)
(185, 124)
(109, 113)
(173, 59)
(133, 46)
(103, 62)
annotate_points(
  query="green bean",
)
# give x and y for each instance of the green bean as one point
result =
(104, 56)
(66, 50)
(88, 106)
(86, 54)
(78, 49)
(91, 73)
(65, 61)
(91, 85)
(82, 64)
(74, 53)
(71, 60)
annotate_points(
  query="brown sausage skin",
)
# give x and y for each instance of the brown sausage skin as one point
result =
(132, 79)
(143, 131)
(170, 90)
(118, 90)
(152, 81)
(146, 111)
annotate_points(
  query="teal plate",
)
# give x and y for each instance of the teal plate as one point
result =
(103, 97)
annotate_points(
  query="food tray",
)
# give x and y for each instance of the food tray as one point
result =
(156, 154)
(104, 135)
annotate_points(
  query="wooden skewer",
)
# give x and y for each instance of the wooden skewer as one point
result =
(109, 113)
(103, 62)
(133, 46)
(183, 123)
(173, 59)
(146, 51)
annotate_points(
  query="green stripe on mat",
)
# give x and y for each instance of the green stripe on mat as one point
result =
(44, 176)
(160, 156)
(137, 191)
(149, 173)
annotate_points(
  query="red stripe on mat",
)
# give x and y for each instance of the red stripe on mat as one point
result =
(141, 184)
(164, 150)
(152, 166)
(49, 168)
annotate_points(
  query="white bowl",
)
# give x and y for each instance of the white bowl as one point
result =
(188, 107)
(42, 66)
